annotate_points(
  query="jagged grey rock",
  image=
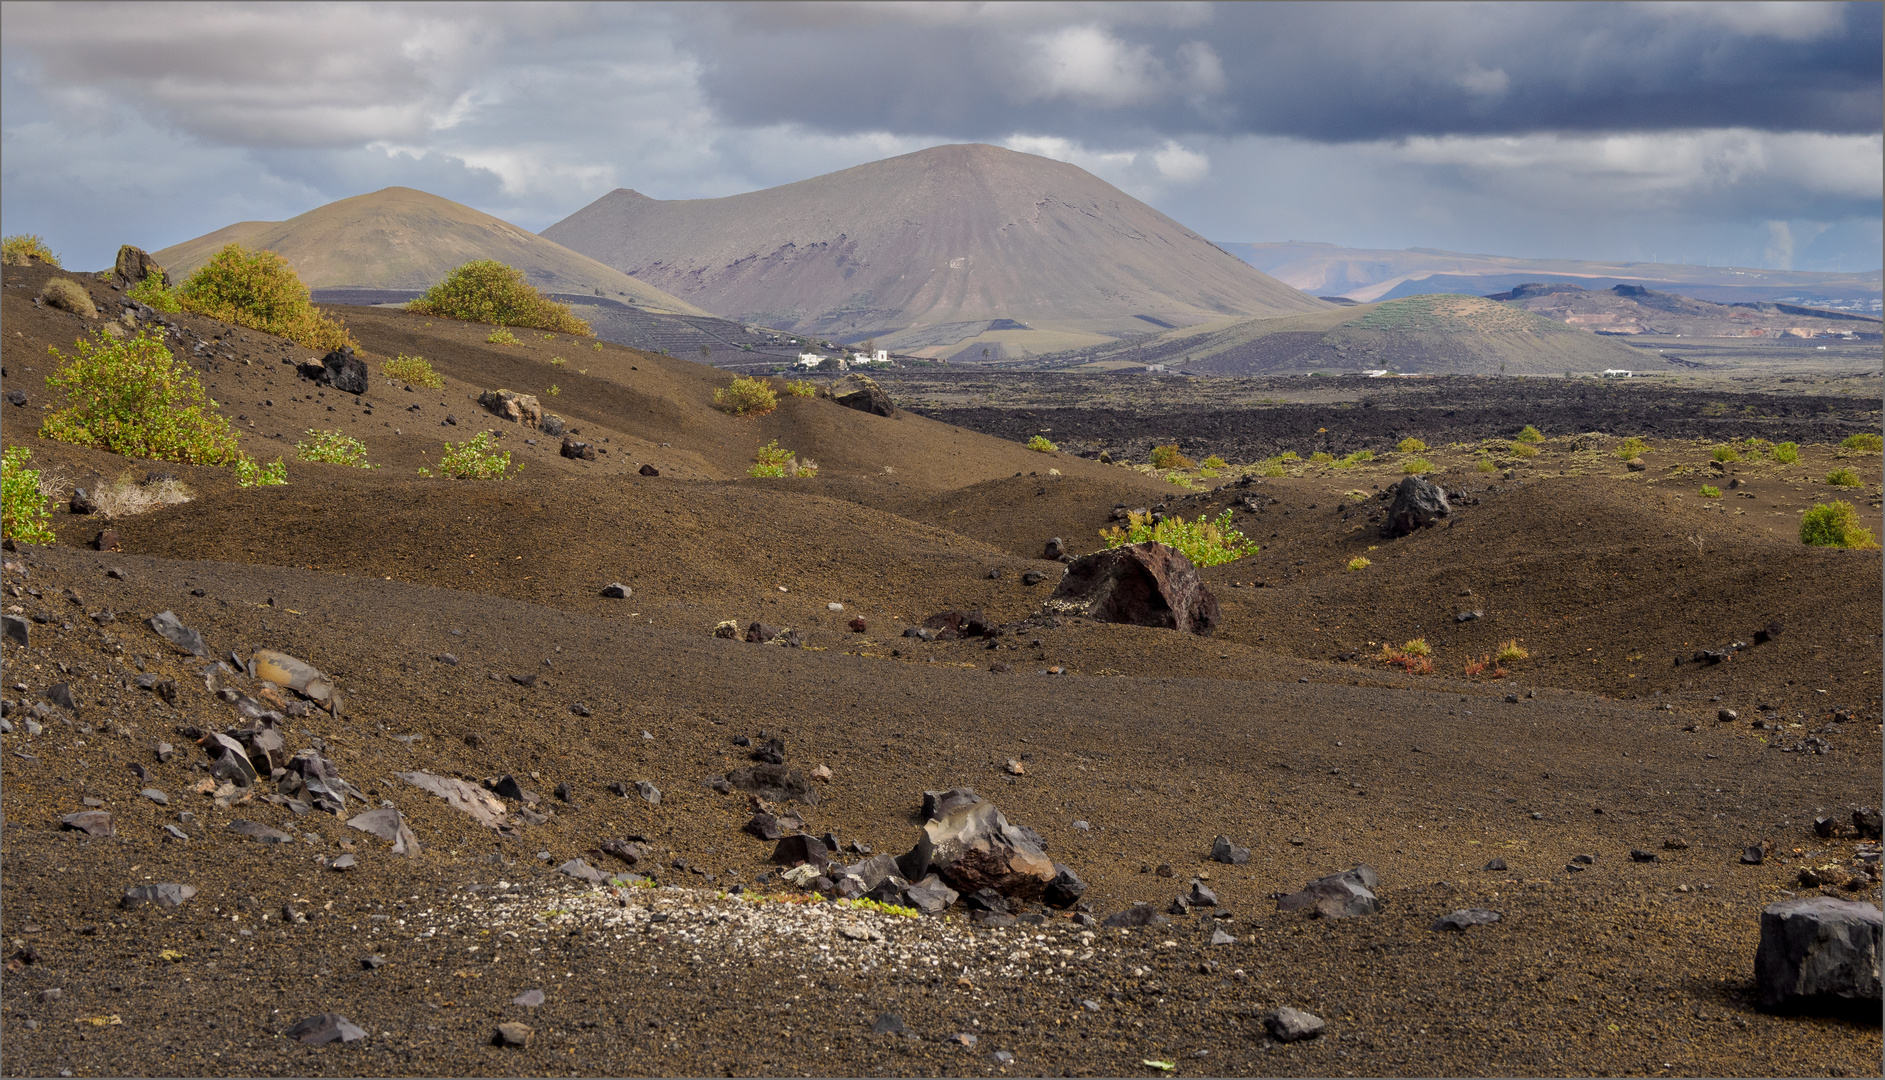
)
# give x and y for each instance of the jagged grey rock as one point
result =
(1817, 949)
(1337, 896)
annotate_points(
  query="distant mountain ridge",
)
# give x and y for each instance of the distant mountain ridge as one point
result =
(1633, 309)
(400, 241)
(942, 252)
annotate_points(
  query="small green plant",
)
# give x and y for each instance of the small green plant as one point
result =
(1632, 447)
(333, 448)
(1870, 442)
(1510, 651)
(1416, 466)
(1786, 453)
(1168, 457)
(1834, 524)
(1843, 477)
(502, 336)
(746, 396)
(1215, 462)
(1709, 491)
(598, 346)
(488, 291)
(865, 903)
(1725, 453)
(1411, 446)
(21, 249)
(557, 361)
(1359, 562)
(475, 459)
(259, 290)
(1485, 465)
(131, 397)
(1417, 647)
(1524, 450)
(802, 388)
(1204, 542)
(1412, 657)
(155, 293)
(1042, 444)
(1530, 434)
(252, 473)
(772, 460)
(1322, 457)
(554, 390)
(411, 370)
(23, 514)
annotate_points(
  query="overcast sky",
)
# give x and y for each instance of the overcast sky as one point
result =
(1746, 133)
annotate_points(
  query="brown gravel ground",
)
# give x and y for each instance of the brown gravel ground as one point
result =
(1160, 742)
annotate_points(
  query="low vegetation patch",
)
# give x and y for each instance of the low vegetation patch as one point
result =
(1530, 434)
(1215, 462)
(1524, 450)
(125, 497)
(1511, 652)
(501, 336)
(155, 292)
(252, 473)
(802, 388)
(488, 291)
(1710, 491)
(1205, 542)
(1413, 657)
(1725, 453)
(746, 396)
(476, 458)
(259, 290)
(1485, 665)
(1485, 465)
(1869, 442)
(1359, 562)
(1168, 457)
(773, 460)
(1834, 524)
(21, 249)
(1843, 477)
(131, 397)
(1416, 466)
(1786, 453)
(333, 448)
(23, 514)
(411, 370)
(1411, 445)
(1353, 459)
(1042, 444)
(68, 295)
(1632, 447)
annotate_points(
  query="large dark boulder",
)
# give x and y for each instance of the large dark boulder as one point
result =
(340, 369)
(862, 393)
(1146, 584)
(973, 847)
(1337, 896)
(1818, 950)
(134, 265)
(1417, 504)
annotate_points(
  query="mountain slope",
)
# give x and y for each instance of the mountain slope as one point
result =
(401, 240)
(1632, 309)
(941, 252)
(1466, 335)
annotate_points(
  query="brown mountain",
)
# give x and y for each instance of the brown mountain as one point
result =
(401, 241)
(1632, 309)
(943, 252)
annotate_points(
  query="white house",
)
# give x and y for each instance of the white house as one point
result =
(809, 361)
(1617, 373)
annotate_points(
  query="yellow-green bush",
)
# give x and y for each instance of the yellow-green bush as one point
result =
(1530, 434)
(411, 370)
(1411, 446)
(1710, 491)
(333, 448)
(1204, 542)
(1865, 441)
(1524, 450)
(1416, 466)
(1786, 453)
(1168, 457)
(1725, 453)
(1042, 444)
(154, 292)
(488, 291)
(1834, 524)
(474, 459)
(1215, 462)
(501, 336)
(21, 249)
(1632, 447)
(773, 460)
(259, 290)
(23, 514)
(252, 473)
(1843, 478)
(746, 396)
(131, 397)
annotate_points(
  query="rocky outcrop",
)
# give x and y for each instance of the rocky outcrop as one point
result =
(1818, 950)
(862, 393)
(340, 369)
(512, 406)
(973, 847)
(1146, 584)
(1337, 896)
(134, 265)
(1417, 504)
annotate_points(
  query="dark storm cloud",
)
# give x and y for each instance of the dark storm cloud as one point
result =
(1323, 72)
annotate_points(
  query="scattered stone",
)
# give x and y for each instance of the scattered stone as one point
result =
(1219, 937)
(324, 1028)
(1817, 951)
(769, 827)
(615, 590)
(1222, 850)
(390, 825)
(963, 1039)
(649, 793)
(774, 783)
(460, 795)
(1752, 855)
(802, 849)
(1002, 1057)
(1469, 616)
(81, 503)
(822, 774)
(508, 787)
(165, 895)
(1065, 889)
(1417, 504)
(340, 369)
(171, 629)
(89, 822)
(1459, 920)
(930, 896)
(1015, 768)
(260, 833)
(155, 796)
(1337, 896)
(888, 1024)
(858, 625)
(649, 470)
(344, 862)
(629, 853)
(1868, 821)
(108, 540)
(852, 931)
(372, 962)
(529, 999)
(1496, 865)
(512, 1034)
(176, 834)
(512, 406)
(1033, 577)
(1289, 1025)
(15, 629)
(1137, 915)
(1146, 584)
(582, 871)
(1639, 855)
(303, 678)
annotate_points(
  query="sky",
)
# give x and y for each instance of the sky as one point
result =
(1744, 134)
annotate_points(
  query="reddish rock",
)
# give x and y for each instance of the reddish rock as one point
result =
(1146, 584)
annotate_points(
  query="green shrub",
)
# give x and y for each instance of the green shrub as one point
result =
(259, 290)
(488, 291)
(154, 292)
(501, 336)
(1834, 524)
(1168, 457)
(1416, 466)
(802, 388)
(1843, 478)
(21, 249)
(333, 448)
(1709, 491)
(132, 397)
(252, 473)
(1725, 453)
(411, 370)
(23, 514)
(1353, 459)
(1485, 465)
(1524, 450)
(772, 460)
(1322, 457)
(1510, 651)
(68, 295)
(553, 390)
(1204, 542)
(1042, 444)
(1215, 462)
(1865, 441)
(746, 396)
(475, 459)
(1786, 453)
(1417, 647)
(1632, 447)
(1359, 562)
(1530, 434)
(1411, 446)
